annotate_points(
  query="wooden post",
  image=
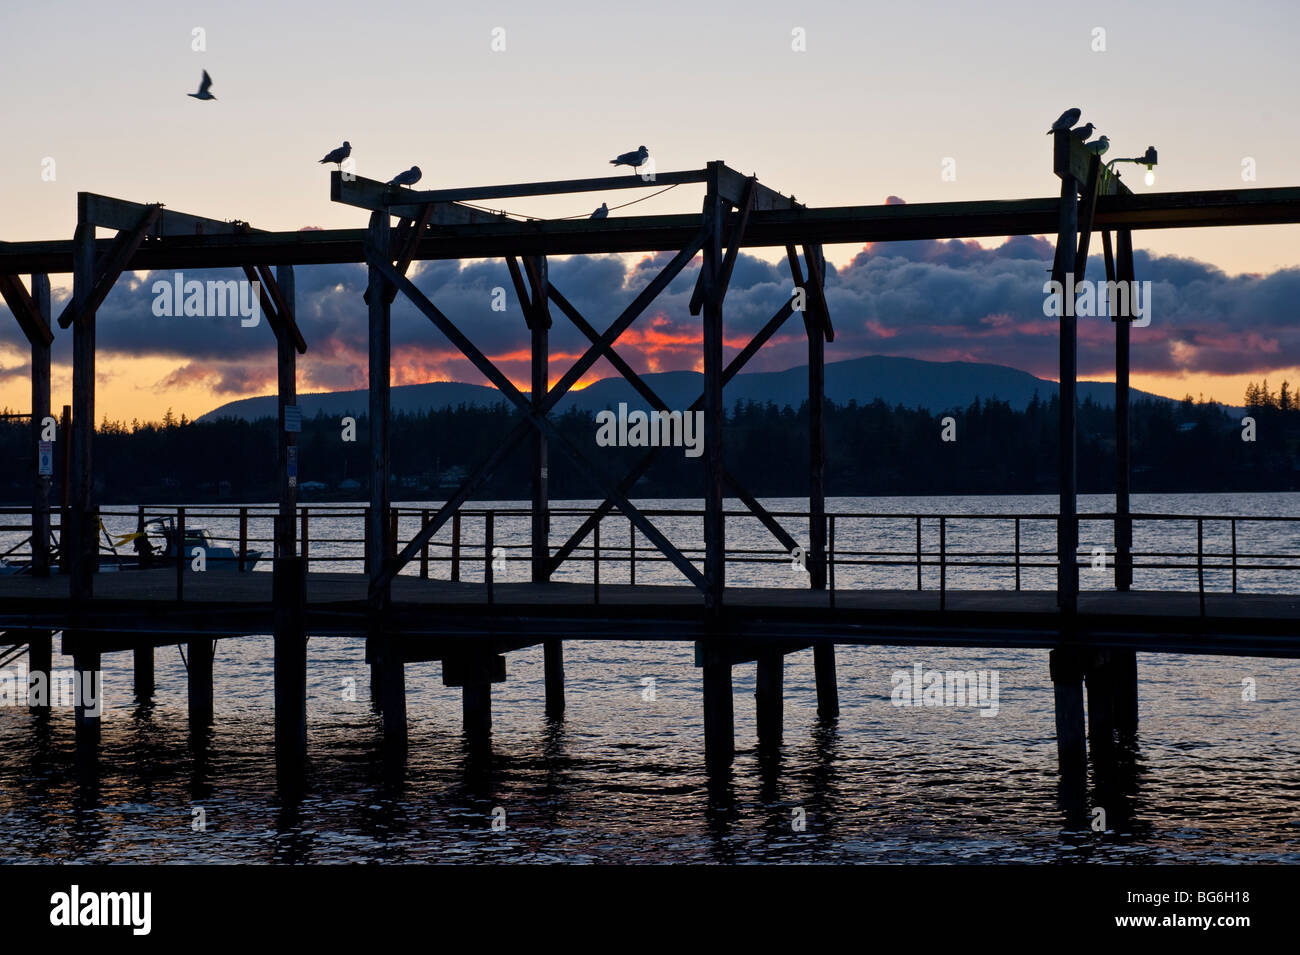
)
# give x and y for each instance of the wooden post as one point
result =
(286, 355)
(39, 657)
(243, 538)
(1125, 671)
(769, 698)
(181, 554)
(553, 665)
(289, 595)
(65, 492)
(475, 673)
(828, 694)
(455, 546)
(143, 682)
(1123, 451)
(388, 675)
(40, 410)
(424, 551)
(719, 718)
(1067, 682)
(81, 547)
(476, 710)
(199, 659)
(89, 678)
(714, 522)
(1067, 528)
(1100, 681)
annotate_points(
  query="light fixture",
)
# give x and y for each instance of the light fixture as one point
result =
(1147, 159)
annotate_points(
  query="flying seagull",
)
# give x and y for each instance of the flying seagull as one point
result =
(1068, 119)
(600, 213)
(337, 156)
(633, 159)
(1082, 133)
(1097, 146)
(408, 178)
(204, 86)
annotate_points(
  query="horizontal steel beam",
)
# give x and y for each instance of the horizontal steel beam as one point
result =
(773, 228)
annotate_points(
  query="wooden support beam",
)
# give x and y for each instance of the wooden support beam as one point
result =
(109, 267)
(769, 698)
(1066, 668)
(40, 350)
(289, 595)
(143, 674)
(280, 288)
(373, 195)
(1125, 673)
(40, 654)
(744, 206)
(1067, 525)
(81, 540)
(1099, 678)
(714, 521)
(719, 716)
(89, 689)
(198, 659)
(733, 186)
(1123, 270)
(109, 213)
(34, 324)
(828, 693)
(540, 325)
(553, 669)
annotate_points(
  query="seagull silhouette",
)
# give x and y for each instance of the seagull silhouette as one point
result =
(633, 159)
(1097, 146)
(204, 86)
(600, 213)
(337, 156)
(408, 178)
(1067, 119)
(1082, 133)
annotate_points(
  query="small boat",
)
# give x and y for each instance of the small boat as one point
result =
(153, 547)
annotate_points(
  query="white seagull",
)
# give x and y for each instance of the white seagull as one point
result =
(1082, 133)
(408, 178)
(204, 86)
(1068, 119)
(1097, 146)
(337, 156)
(601, 213)
(633, 159)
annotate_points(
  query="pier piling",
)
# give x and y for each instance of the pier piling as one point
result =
(828, 693)
(769, 697)
(39, 657)
(553, 665)
(289, 589)
(143, 683)
(1067, 682)
(199, 661)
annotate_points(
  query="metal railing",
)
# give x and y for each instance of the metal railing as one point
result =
(1006, 550)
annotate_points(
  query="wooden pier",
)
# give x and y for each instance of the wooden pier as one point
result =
(1091, 637)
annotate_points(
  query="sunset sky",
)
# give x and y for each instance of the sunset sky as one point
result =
(881, 96)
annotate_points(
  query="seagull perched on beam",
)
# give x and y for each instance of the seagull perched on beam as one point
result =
(1068, 119)
(600, 213)
(633, 159)
(1082, 133)
(204, 86)
(1097, 146)
(337, 156)
(408, 178)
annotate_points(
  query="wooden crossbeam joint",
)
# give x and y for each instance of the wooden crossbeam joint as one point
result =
(110, 266)
(25, 310)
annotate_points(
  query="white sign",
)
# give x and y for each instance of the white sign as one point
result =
(292, 418)
(45, 459)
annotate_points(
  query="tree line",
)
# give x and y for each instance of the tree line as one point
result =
(871, 449)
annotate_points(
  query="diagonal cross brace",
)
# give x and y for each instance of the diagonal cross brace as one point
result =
(537, 415)
(729, 261)
(660, 405)
(29, 317)
(733, 368)
(110, 266)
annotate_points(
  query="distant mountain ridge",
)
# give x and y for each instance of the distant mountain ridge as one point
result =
(912, 382)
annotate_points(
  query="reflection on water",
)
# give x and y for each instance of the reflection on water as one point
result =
(621, 777)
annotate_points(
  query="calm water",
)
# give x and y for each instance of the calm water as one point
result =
(621, 778)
